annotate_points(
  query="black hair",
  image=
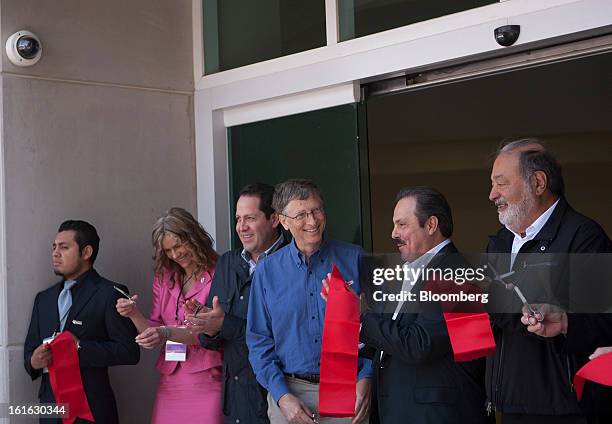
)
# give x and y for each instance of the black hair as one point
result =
(265, 192)
(85, 234)
(430, 202)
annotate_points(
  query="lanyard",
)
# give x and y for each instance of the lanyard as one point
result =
(178, 298)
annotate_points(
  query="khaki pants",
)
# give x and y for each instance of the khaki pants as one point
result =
(307, 393)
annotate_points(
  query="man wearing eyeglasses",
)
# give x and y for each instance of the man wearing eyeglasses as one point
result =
(285, 314)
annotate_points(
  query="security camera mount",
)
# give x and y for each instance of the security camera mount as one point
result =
(23, 48)
(507, 35)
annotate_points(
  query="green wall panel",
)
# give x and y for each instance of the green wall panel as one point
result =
(323, 146)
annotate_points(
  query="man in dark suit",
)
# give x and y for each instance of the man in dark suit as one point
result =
(83, 303)
(416, 379)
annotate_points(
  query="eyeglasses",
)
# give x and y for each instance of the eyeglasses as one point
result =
(316, 213)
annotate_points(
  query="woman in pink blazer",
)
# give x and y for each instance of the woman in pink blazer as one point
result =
(190, 376)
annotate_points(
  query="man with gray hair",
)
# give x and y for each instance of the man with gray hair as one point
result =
(529, 378)
(285, 314)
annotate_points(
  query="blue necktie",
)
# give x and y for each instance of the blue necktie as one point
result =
(64, 302)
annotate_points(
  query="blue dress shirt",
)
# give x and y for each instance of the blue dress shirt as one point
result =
(285, 317)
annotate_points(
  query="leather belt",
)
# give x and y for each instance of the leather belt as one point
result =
(310, 378)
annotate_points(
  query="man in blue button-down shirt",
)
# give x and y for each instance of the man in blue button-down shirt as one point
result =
(285, 317)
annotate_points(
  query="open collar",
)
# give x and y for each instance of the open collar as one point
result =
(548, 232)
(300, 259)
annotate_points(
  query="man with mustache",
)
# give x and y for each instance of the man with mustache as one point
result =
(416, 378)
(529, 379)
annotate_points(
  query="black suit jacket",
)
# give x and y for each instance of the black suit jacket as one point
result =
(417, 380)
(558, 279)
(105, 338)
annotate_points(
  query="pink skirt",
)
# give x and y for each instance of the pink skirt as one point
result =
(189, 397)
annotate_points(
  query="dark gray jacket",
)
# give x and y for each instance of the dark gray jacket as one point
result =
(242, 397)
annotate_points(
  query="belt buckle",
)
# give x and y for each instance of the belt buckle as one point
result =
(314, 379)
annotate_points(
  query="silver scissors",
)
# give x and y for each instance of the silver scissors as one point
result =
(198, 309)
(534, 315)
(127, 296)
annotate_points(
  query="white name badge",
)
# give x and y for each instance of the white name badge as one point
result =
(48, 340)
(176, 351)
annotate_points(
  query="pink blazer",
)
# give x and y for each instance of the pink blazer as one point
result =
(163, 310)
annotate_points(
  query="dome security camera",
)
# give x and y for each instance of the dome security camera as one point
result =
(507, 35)
(23, 48)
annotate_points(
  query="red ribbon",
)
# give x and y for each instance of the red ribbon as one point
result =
(69, 388)
(469, 331)
(598, 370)
(470, 335)
(338, 379)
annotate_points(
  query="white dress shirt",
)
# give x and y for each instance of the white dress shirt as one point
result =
(530, 232)
(421, 261)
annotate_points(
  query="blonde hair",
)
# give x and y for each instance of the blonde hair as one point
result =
(182, 225)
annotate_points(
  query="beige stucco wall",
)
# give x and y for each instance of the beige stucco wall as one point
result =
(100, 129)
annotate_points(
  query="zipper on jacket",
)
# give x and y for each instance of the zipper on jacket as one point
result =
(497, 394)
(489, 408)
(569, 373)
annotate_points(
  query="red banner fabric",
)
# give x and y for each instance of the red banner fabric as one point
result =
(598, 370)
(468, 325)
(338, 379)
(470, 335)
(65, 377)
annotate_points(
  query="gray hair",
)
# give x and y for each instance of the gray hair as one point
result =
(294, 189)
(536, 157)
(510, 144)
